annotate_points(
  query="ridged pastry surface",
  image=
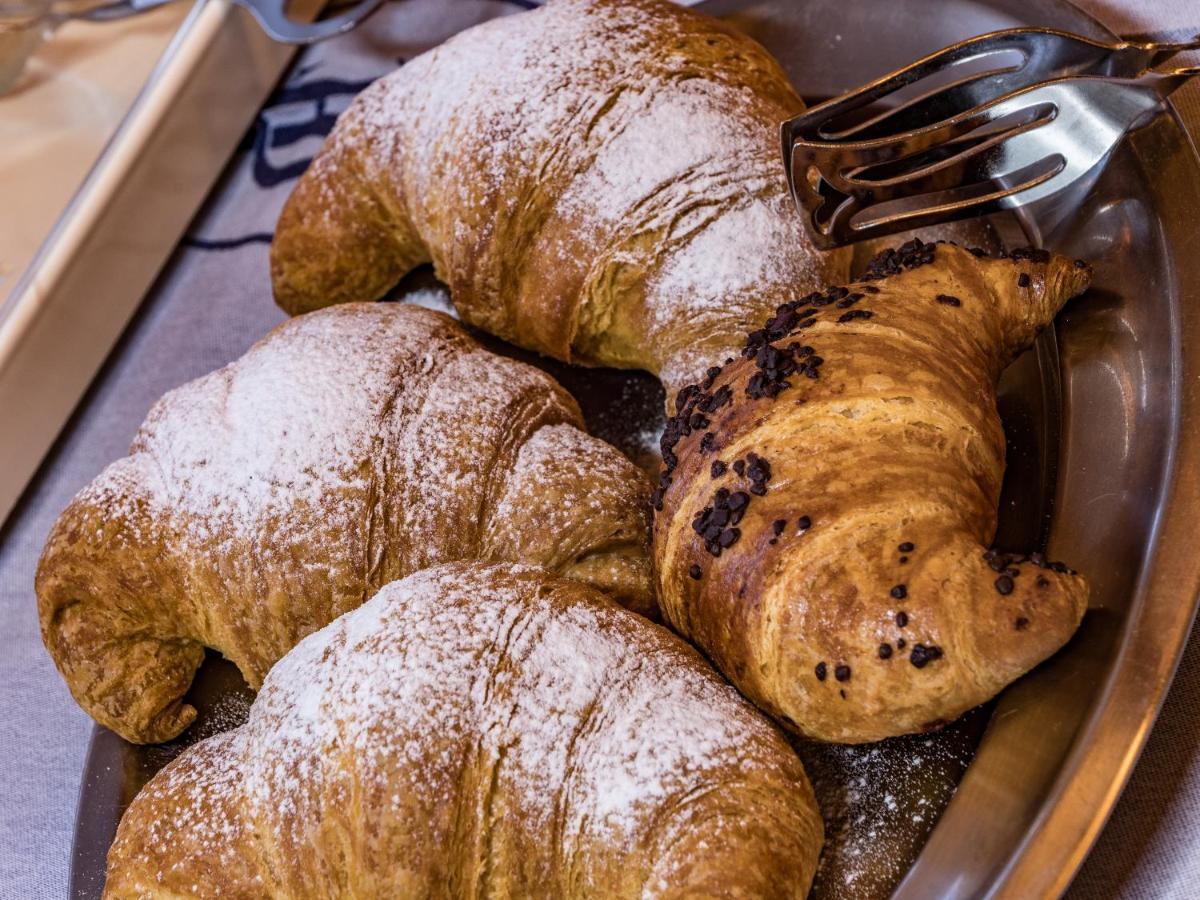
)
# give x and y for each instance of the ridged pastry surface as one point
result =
(346, 449)
(481, 731)
(597, 180)
(830, 495)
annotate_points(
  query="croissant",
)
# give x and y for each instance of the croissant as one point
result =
(597, 180)
(345, 450)
(828, 498)
(481, 731)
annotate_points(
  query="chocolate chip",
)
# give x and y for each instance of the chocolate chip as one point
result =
(695, 572)
(803, 523)
(1004, 585)
(821, 671)
(758, 471)
(907, 547)
(948, 300)
(923, 655)
(718, 468)
(901, 619)
(710, 404)
(885, 651)
(1023, 280)
(899, 592)
(892, 261)
(1042, 581)
(842, 672)
(1021, 624)
(901, 644)
(854, 314)
(777, 526)
(903, 560)
(739, 468)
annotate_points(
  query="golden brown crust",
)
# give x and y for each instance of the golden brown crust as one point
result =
(895, 442)
(347, 449)
(597, 180)
(481, 731)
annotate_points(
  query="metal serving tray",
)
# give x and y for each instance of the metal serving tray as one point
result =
(1104, 454)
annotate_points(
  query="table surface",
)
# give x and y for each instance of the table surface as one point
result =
(1149, 848)
(59, 116)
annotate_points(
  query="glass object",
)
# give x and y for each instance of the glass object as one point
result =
(23, 26)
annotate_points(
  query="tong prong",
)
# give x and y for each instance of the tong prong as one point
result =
(1045, 53)
(949, 205)
(964, 130)
(948, 160)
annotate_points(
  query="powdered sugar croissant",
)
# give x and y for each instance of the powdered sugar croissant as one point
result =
(597, 180)
(481, 731)
(346, 449)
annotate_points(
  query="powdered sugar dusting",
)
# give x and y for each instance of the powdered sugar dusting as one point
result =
(490, 700)
(623, 158)
(350, 447)
(880, 802)
(278, 432)
(435, 298)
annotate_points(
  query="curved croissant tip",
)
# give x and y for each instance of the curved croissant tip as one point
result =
(168, 723)
(1040, 616)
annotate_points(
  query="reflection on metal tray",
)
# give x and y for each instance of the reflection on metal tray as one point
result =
(1100, 464)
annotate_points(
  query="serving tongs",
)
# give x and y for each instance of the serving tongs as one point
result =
(991, 123)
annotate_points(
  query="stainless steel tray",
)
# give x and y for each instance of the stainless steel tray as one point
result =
(1104, 459)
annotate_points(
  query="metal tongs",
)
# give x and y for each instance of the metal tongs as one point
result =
(997, 121)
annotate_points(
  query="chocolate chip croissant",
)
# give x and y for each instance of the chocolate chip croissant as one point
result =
(829, 496)
(597, 180)
(485, 731)
(348, 448)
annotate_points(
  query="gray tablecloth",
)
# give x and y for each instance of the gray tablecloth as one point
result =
(208, 310)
